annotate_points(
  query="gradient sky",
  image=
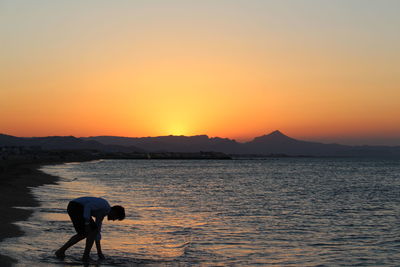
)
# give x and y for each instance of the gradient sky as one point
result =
(316, 70)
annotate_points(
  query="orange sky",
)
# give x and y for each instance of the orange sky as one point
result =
(237, 69)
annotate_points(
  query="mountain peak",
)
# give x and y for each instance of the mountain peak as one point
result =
(275, 136)
(276, 133)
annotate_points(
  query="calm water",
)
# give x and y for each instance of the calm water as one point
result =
(299, 212)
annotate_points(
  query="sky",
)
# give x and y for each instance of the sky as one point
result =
(322, 70)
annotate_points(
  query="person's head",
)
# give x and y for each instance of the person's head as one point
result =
(116, 213)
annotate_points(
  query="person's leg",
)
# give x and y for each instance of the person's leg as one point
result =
(60, 253)
(89, 244)
(75, 212)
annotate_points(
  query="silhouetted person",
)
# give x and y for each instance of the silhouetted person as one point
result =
(81, 211)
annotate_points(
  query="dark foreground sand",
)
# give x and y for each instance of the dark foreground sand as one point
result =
(14, 192)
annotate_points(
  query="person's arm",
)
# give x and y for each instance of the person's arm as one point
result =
(99, 222)
(87, 209)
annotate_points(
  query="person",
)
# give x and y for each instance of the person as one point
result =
(81, 210)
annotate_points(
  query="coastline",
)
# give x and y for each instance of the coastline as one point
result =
(20, 172)
(15, 182)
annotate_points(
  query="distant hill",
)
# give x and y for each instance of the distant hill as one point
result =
(63, 142)
(173, 143)
(277, 142)
(273, 143)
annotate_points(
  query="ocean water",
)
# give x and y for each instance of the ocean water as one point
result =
(284, 212)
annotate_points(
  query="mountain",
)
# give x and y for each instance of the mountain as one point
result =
(172, 143)
(273, 143)
(275, 138)
(277, 142)
(63, 142)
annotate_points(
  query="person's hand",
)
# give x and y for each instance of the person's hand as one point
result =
(101, 256)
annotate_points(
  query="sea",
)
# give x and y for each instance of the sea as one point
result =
(241, 212)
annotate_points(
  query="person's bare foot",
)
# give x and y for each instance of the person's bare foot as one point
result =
(60, 254)
(86, 258)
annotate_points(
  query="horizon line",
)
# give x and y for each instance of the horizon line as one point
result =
(318, 140)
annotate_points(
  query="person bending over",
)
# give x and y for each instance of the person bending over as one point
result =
(81, 210)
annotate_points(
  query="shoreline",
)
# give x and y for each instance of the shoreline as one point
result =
(15, 183)
(18, 174)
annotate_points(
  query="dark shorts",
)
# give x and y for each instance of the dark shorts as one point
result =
(75, 212)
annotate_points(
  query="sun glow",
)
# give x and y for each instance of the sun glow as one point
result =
(236, 70)
(177, 129)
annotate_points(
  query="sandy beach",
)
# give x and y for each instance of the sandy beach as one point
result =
(15, 180)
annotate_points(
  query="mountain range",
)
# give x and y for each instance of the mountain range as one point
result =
(63, 143)
(271, 144)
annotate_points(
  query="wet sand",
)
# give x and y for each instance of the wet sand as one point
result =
(15, 180)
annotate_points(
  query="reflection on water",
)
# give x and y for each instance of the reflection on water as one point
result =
(301, 212)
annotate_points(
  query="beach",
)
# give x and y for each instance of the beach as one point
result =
(15, 182)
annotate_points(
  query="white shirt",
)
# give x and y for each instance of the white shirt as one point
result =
(96, 207)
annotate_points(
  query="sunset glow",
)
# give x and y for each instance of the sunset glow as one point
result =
(315, 70)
